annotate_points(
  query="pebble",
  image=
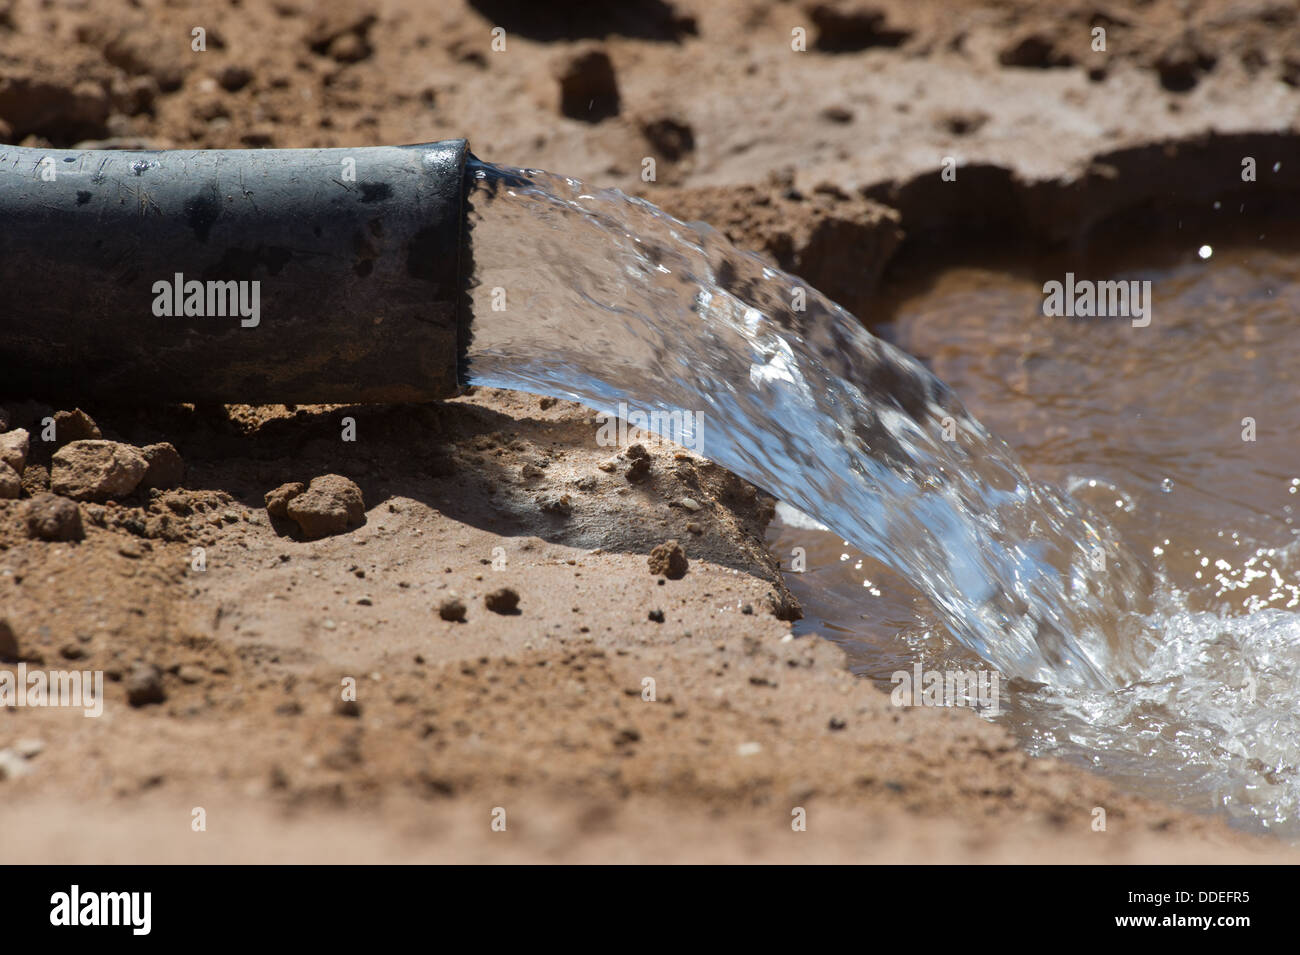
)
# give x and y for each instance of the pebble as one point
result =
(166, 469)
(13, 448)
(669, 560)
(12, 765)
(452, 609)
(145, 685)
(11, 484)
(75, 425)
(503, 601)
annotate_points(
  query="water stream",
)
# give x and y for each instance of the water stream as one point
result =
(954, 553)
(1146, 426)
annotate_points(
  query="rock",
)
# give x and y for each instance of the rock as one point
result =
(145, 685)
(846, 26)
(1035, 50)
(785, 606)
(53, 518)
(349, 48)
(8, 643)
(639, 469)
(452, 609)
(669, 137)
(36, 479)
(74, 425)
(277, 501)
(333, 19)
(561, 505)
(13, 449)
(588, 88)
(1181, 64)
(234, 78)
(166, 469)
(12, 765)
(97, 470)
(669, 560)
(331, 505)
(11, 485)
(503, 601)
(657, 616)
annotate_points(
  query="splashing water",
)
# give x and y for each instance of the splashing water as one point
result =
(1147, 427)
(609, 301)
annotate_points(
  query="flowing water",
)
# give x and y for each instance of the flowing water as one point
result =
(1146, 425)
(604, 299)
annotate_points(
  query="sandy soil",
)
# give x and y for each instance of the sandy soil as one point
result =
(826, 161)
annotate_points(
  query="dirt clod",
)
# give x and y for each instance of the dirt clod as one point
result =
(97, 470)
(453, 609)
(234, 78)
(145, 685)
(75, 425)
(13, 449)
(331, 504)
(277, 501)
(588, 87)
(671, 138)
(1036, 51)
(639, 469)
(11, 485)
(52, 518)
(503, 601)
(166, 469)
(669, 560)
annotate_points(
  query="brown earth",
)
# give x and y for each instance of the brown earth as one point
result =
(828, 162)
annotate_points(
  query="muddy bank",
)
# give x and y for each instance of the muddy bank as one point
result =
(230, 640)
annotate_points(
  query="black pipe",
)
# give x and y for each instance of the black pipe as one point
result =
(237, 276)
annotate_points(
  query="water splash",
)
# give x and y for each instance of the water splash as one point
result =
(1147, 427)
(604, 299)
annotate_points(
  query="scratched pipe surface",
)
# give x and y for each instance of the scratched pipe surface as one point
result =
(239, 276)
